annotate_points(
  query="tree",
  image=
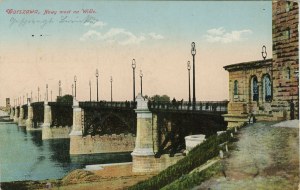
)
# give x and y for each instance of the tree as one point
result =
(65, 98)
(158, 98)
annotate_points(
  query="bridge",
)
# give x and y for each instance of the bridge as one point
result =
(145, 127)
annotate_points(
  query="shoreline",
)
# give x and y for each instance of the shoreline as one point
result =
(102, 176)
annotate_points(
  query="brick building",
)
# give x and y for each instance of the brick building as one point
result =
(268, 89)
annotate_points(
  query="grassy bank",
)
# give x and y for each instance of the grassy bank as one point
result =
(197, 156)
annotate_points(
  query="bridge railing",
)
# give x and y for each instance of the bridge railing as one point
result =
(104, 104)
(207, 106)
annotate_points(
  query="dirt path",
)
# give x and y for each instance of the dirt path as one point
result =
(110, 177)
(266, 157)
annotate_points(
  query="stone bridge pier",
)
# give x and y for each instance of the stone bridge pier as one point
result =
(21, 121)
(12, 112)
(47, 120)
(16, 119)
(143, 156)
(29, 123)
(76, 132)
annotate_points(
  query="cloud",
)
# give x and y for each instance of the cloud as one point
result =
(155, 36)
(220, 35)
(114, 35)
(99, 24)
(120, 36)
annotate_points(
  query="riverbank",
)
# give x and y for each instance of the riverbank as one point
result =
(114, 176)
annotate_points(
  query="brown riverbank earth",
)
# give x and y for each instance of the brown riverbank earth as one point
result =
(110, 177)
(265, 157)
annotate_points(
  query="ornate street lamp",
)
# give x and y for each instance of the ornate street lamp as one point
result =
(193, 51)
(133, 70)
(111, 80)
(38, 93)
(90, 90)
(59, 88)
(141, 75)
(264, 52)
(189, 71)
(72, 90)
(97, 75)
(47, 92)
(75, 79)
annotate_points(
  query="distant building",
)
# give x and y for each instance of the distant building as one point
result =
(268, 89)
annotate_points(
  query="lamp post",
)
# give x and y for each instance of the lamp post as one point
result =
(111, 80)
(193, 51)
(141, 75)
(51, 95)
(38, 93)
(47, 92)
(23, 99)
(31, 96)
(189, 71)
(75, 79)
(72, 90)
(90, 90)
(27, 98)
(59, 88)
(133, 70)
(97, 75)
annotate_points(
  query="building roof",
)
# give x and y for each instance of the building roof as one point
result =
(248, 65)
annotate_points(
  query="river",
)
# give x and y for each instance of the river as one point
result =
(25, 156)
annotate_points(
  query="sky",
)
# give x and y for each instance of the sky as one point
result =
(42, 42)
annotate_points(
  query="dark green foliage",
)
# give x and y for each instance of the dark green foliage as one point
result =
(158, 98)
(194, 179)
(65, 98)
(197, 156)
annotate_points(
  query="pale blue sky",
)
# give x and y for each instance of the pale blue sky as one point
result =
(157, 34)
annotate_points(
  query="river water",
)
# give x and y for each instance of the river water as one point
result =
(25, 156)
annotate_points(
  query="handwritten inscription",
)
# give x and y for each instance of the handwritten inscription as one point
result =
(50, 12)
(48, 16)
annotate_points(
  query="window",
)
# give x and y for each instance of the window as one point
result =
(235, 89)
(267, 88)
(254, 89)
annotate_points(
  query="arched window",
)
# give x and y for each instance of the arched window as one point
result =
(288, 73)
(267, 88)
(254, 89)
(235, 89)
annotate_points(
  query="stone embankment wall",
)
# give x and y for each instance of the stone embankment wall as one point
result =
(101, 144)
(56, 132)
(152, 164)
